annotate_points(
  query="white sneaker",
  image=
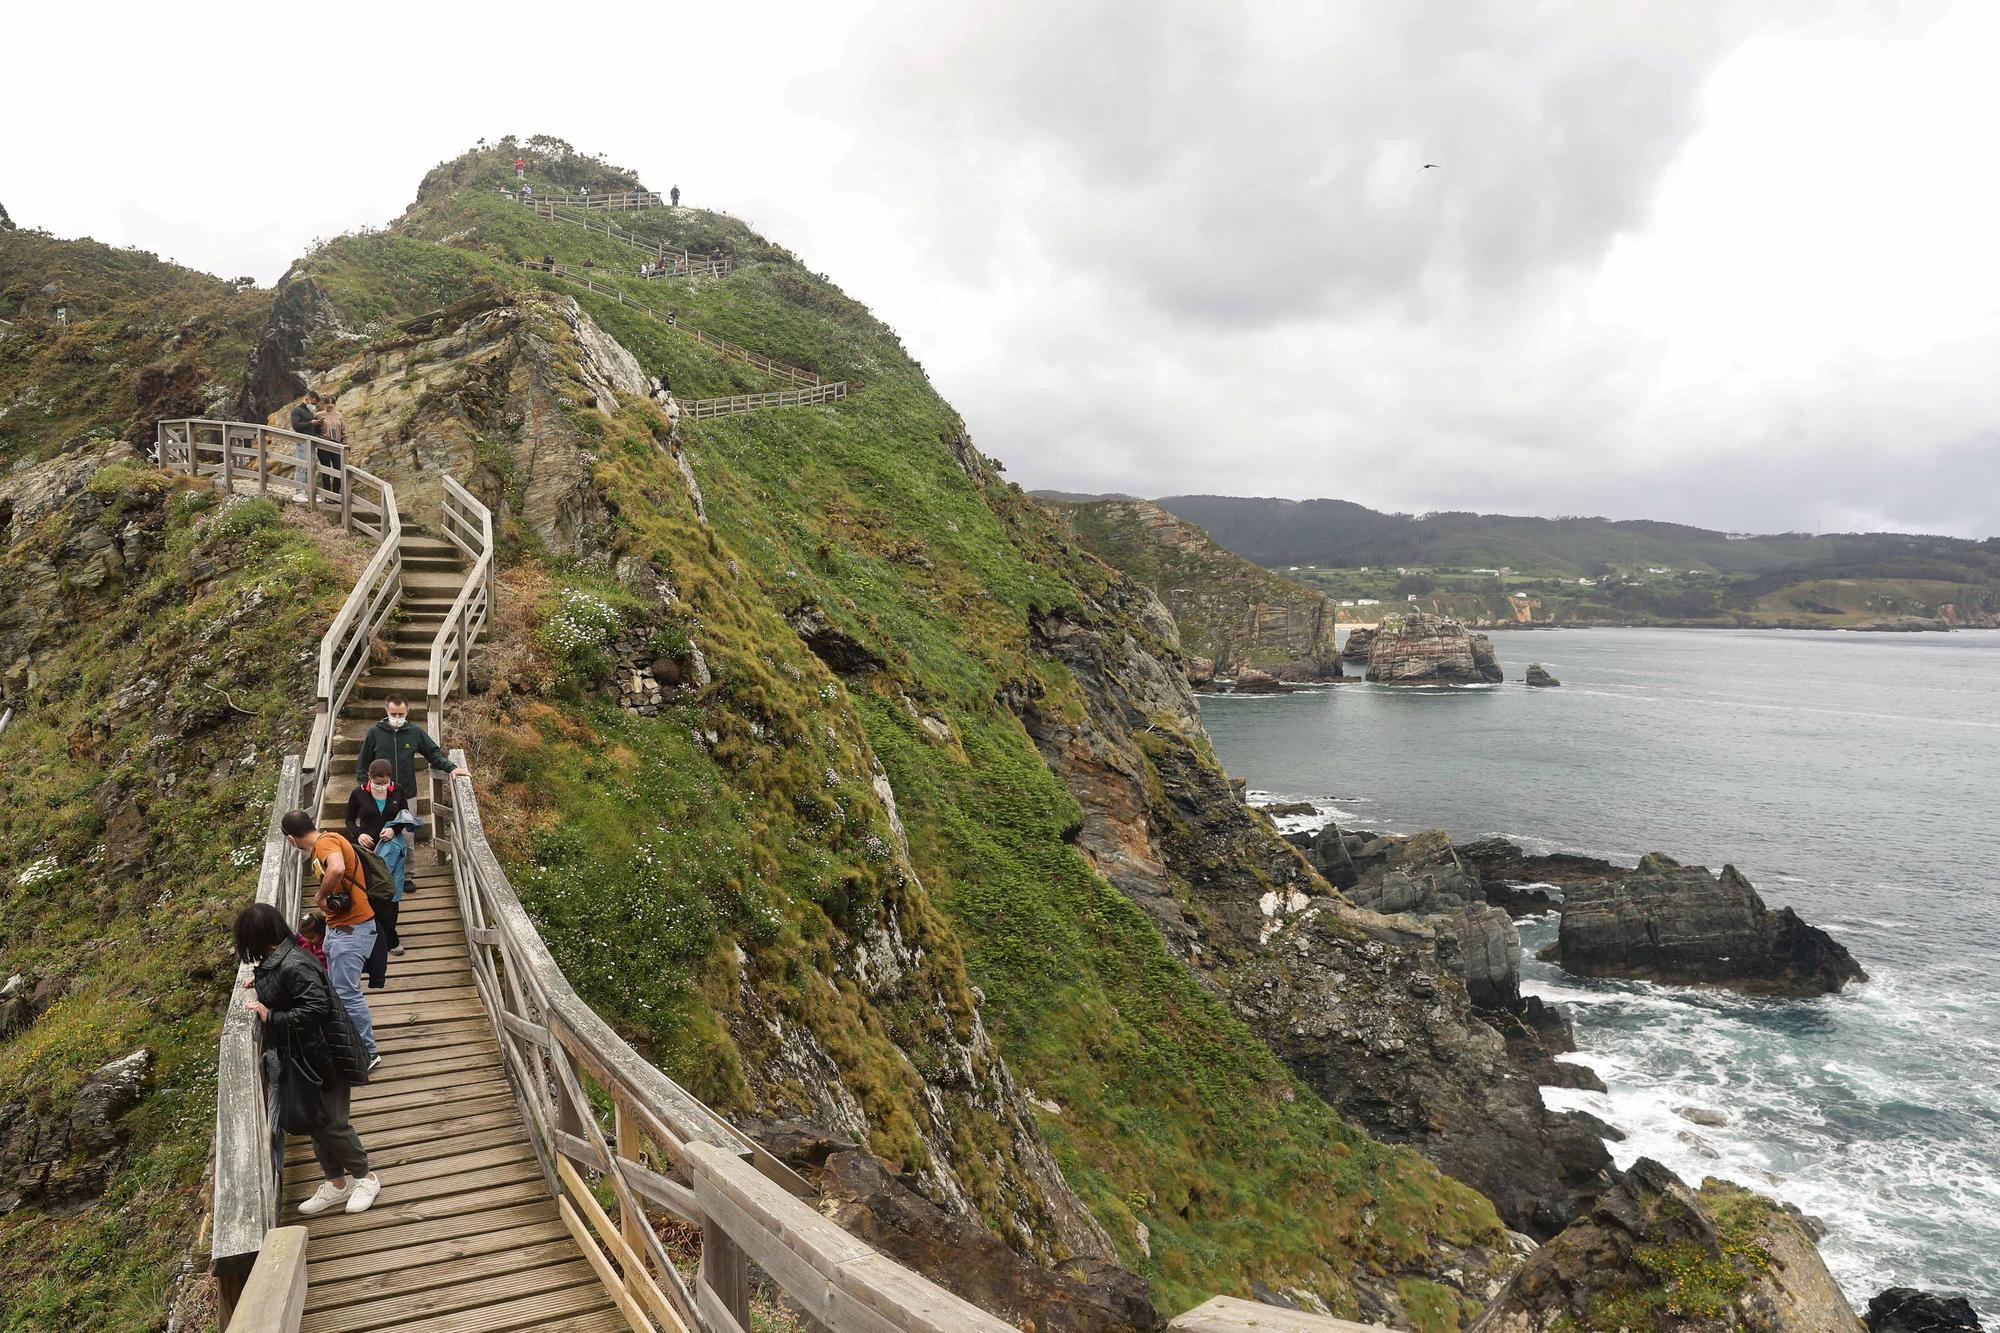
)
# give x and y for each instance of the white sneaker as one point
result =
(363, 1193)
(396, 949)
(373, 1060)
(326, 1196)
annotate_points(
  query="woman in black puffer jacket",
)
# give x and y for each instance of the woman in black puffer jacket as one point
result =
(319, 1055)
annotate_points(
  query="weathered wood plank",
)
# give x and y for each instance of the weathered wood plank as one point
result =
(496, 1285)
(1226, 1314)
(382, 1269)
(274, 1298)
(538, 1207)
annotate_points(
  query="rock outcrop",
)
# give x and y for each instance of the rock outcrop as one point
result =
(1908, 1310)
(1680, 924)
(1416, 648)
(863, 1194)
(1539, 677)
(63, 1160)
(1653, 1254)
(1360, 642)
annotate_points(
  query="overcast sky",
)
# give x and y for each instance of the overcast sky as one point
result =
(1734, 263)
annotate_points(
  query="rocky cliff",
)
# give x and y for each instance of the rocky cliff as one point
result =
(1232, 615)
(1414, 648)
(1668, 922)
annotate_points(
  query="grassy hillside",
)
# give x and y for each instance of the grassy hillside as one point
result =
(164, 637)
(1229, 610)
(877, 515)
(144, 339)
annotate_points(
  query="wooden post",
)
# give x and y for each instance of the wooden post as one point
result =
(626, 1140)
(346, 494)
(263, 464)
(724, 1272)
(228, 462)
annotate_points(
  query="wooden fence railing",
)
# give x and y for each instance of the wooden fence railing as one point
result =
(303, 466)
(699, 408)
(344, 650)
(657, 1146)
(720, 346)
(680, 263)
(468, 525)
(249, 1147)
(616, 200)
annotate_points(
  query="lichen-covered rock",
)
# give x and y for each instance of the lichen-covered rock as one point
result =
(1654, 1255)
(63, 1159)
(1416, 648)
(1674, 923)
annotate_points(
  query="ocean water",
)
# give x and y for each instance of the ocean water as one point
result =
(1854, 777)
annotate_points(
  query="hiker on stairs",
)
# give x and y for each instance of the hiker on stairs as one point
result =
(350, 920)
(372, 810)
(319, 1057)
(399, 740)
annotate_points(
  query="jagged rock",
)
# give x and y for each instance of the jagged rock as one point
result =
(1360, 642)
(1539, 677)
(1200, 671)
(1249, 680)
(860, 1192)
(1484, 949)
(1740, 1262)
(1278, 808)
(62, 1160)
(1674, 923)
(1500, 863)
(1416, 648)
(1701, 1115)
(1908, 1310)
(301, 314)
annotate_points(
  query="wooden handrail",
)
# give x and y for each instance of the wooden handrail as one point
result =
(468, 525)
(249, 1147)
(345, 649)
(557, 1050)
(625, 200)
(699, 409)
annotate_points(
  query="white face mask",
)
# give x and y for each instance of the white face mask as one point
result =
(395, 723)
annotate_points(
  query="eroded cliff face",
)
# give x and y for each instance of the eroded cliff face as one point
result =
(1415, 648)
(1232, 615)
(1368, 1008)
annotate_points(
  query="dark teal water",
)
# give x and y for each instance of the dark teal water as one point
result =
(1854, 777)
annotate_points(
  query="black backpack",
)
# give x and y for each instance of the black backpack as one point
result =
(381, 880)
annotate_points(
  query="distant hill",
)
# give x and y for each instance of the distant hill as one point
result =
(1229, 610)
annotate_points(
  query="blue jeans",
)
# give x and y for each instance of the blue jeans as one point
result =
(347, 950)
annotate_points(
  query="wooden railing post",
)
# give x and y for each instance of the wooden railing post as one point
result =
(346, 493)
(263, 463)
(724, 1273)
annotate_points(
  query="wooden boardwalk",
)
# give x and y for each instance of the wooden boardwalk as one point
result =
(465, 1237)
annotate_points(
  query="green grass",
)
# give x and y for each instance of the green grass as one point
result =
(234, 600)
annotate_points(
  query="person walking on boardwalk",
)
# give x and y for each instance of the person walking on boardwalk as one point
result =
(332, 425)
(350, 920)
(371, 808)
(400, 741)
(318, 1054)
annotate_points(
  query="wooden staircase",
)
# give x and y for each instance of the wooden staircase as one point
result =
(466, 1236)
(433, 574)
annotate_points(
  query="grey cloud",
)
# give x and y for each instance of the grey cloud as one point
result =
(1251, 163)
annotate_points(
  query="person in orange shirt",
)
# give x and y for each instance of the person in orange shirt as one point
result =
(350, 922)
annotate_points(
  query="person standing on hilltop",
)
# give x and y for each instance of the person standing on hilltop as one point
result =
(675, 195)
(520, 168)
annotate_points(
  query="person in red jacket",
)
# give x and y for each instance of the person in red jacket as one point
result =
(520, 168)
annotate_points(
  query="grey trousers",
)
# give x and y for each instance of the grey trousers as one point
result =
(337, 1146)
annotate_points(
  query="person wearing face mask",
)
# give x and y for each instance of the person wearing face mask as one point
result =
(399, 740)
(371, 810)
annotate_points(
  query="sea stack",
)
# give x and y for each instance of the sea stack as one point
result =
(1416, 648)
(1539, 677)
(1679, 924)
